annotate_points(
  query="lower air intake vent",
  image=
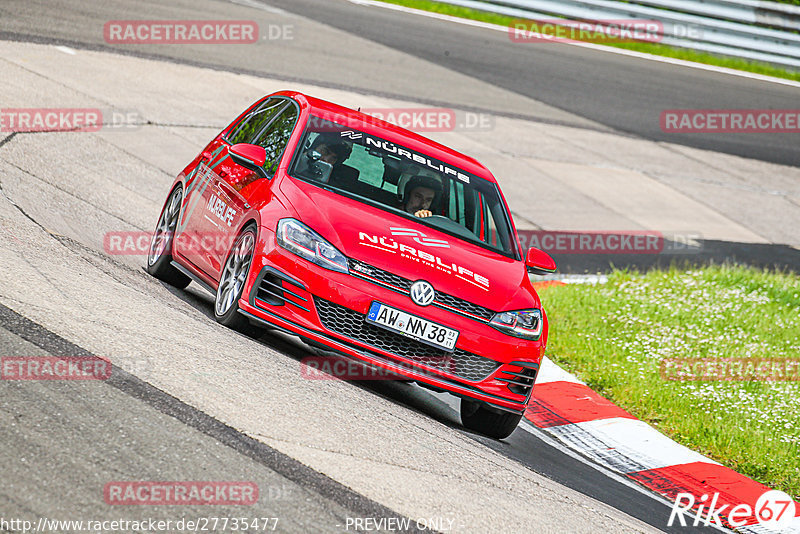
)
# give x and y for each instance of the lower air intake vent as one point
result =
(520, 382)
(277, 289)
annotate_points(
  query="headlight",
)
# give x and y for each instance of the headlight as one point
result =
(526, 324)
(296, 237)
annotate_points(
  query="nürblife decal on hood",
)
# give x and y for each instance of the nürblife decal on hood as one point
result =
(419, 237)
(423, 257)
(395, 150)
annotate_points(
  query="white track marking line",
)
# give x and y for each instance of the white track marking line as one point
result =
(792, 528)
(609, 49)
(66, 50)
(626, 445)
(550, 372)
(564, 447)
(560, 446)
(568, 448)
(258, 5)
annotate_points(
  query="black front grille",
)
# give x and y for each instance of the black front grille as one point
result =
(376, 275)
(464, 306)
(379, 274)
(352, 324)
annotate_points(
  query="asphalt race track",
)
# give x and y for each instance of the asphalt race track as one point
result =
(572, 85)
(189, 400)
(619, 92)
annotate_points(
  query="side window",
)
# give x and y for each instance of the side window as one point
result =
(252, 123)
(275, 138)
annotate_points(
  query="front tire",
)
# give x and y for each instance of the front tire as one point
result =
(478, 417)
(232, 281)
(159, 256)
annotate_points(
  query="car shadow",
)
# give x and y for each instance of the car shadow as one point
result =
(409, 395)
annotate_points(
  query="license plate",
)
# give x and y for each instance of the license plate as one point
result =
(412, 326)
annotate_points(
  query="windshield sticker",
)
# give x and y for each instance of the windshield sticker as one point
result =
(350, 134)
(391, 148)
(395, 150)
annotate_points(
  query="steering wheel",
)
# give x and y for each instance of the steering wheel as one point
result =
(449, 224)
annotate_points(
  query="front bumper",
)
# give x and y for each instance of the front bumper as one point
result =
(328, 308)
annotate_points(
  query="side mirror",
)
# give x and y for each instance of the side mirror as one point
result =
(250, 157)
(539, 262)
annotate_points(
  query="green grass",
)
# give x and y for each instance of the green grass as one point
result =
(649, 48)
(613, 336)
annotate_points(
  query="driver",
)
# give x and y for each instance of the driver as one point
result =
(419, 195)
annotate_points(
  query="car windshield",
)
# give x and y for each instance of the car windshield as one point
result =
(397, 179)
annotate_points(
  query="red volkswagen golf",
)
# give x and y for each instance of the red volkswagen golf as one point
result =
(365, 239)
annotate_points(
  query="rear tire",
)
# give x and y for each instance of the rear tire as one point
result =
(478, 417)
(231, 284)
(159, 256)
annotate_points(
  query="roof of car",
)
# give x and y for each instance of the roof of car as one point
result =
(390, 132)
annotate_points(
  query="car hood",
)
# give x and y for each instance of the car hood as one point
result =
(412, 250)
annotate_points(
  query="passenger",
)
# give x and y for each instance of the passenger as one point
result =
(331, 149)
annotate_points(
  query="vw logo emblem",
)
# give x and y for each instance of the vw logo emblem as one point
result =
(422, 293)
